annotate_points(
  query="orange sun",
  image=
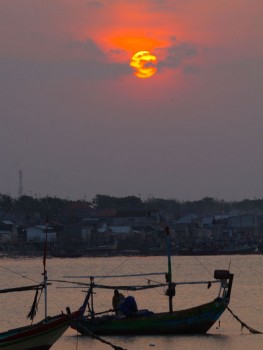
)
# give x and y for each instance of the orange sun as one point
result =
(144, 64)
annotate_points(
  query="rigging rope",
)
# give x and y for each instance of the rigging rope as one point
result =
(111, 272)
(77, 343)
(33, 311)
(243, 325)
(116, 268)
(200, 263)
(16, 273)
(156, 290)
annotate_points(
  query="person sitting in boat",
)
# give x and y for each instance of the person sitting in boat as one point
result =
(116, 300)
(128, 306)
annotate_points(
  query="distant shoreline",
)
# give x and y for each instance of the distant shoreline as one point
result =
(98, 254)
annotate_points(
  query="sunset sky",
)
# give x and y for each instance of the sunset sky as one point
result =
(78, 122)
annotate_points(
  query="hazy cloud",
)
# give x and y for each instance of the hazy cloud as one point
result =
(177, 54)
(95, 4)
(83, 69)
(88, 47)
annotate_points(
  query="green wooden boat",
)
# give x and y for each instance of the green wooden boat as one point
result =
(194, 320)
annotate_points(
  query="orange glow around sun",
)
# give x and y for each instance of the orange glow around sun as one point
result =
(144, 64)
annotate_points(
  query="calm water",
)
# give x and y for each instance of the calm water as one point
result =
(246, 302)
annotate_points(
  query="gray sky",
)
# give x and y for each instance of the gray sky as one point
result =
(78, 122)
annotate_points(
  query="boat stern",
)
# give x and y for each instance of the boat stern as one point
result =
(226, 280)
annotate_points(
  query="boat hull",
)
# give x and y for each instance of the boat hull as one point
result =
(237, 250)
(40, 336)
(197, 320)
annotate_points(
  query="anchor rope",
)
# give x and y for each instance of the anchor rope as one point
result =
(77, 343)
(243, 325)
(88, 332)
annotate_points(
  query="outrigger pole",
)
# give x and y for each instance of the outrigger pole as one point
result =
(116, 276)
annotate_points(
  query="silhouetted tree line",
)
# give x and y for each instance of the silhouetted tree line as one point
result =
(205, 206)
(45, 205)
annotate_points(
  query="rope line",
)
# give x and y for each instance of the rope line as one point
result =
(203, 265)
(88, 332)
(116, 268)
(18, 274)
(243, 325)
(77, 343)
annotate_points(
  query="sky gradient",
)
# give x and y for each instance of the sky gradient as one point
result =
(78, 122)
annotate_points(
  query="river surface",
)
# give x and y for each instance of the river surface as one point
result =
(246, 301)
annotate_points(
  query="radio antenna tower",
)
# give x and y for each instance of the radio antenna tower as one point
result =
(20, 188)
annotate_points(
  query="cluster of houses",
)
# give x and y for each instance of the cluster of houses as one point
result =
(135, 231)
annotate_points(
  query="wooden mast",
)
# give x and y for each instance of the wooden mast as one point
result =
(170, 290)
(45, 269)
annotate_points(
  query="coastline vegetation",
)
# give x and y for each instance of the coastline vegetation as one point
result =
(204, 206)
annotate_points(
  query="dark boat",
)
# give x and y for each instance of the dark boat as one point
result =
(42, 335)
(195, 320)
(238, 249)
(66, 254)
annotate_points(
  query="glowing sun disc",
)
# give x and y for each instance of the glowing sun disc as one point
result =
(144, 64)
